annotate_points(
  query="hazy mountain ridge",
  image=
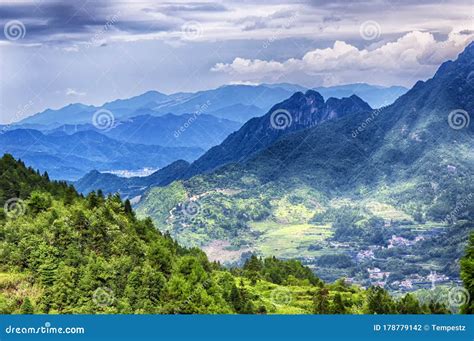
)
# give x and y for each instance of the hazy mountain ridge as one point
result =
(299, 112)
(216, 101)
(132, 187)
(233, 102)
(187, 130)
(71, 156)
(376, 96)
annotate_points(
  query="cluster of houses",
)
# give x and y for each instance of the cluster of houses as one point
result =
(379, 278)
(400, 241)
(394, 241)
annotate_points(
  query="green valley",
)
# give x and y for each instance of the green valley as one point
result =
(65, 253)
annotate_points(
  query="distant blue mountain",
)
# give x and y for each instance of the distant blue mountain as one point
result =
(71, 114)
(287, 86)
(187, 130)
(376, 96)
(232, 102)
(69, 157)
(82, 114)
(299, 112)
(147, 100)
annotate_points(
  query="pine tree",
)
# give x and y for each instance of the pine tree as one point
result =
(379, 301)
(26, 307)
(321, 301)
(338, 305)
(128, 208)
(253, 264)
(409, 305)
(236, 299)
(47, 271)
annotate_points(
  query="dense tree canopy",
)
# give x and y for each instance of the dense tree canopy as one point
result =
(64, 253)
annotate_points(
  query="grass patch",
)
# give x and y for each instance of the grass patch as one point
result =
(289, 240)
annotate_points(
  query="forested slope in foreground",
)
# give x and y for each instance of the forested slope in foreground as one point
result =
(65, 253)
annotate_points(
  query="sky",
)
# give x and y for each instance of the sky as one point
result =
(55, 53)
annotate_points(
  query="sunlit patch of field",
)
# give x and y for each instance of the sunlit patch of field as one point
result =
(289, 240)
(285, 212)
(386, 211)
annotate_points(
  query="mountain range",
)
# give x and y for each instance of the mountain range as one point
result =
(232, 102)
(376, 96)
(69, 157)
(299, 112)
(333, 182)
(336, 188)
(186, 130)
(198, 120)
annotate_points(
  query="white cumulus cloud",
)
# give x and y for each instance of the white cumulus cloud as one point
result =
(418, 53)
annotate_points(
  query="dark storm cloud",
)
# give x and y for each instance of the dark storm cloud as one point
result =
(191, 7)
(75, 20)
(43, 20)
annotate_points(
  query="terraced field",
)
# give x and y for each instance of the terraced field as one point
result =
(289, 240)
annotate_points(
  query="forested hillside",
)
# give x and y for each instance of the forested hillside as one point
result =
(65, 253)
(382, 197)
